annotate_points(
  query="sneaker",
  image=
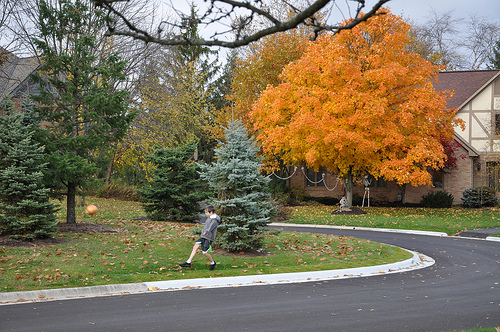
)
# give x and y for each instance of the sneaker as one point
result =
(212, 266)
(185, 264)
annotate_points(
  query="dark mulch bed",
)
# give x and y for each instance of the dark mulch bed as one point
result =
(6, 241)
(83, 227)
(248, 253)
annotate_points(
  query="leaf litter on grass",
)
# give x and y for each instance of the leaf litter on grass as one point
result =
(145, 250)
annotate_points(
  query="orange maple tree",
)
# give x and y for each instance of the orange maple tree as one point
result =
(357, 103)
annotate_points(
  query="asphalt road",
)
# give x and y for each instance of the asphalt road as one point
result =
(460, 291)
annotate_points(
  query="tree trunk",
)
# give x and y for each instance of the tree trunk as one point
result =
(403, 194)
(110, 169)
(71, 204)
(349, 188)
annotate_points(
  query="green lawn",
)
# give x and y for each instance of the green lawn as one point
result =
(450, 221)
(149, 251)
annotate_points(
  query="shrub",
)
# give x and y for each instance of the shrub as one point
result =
(437, 199)
(479, 197)
(283, 195)
(119, 190)
(175, 190)
(358, 200)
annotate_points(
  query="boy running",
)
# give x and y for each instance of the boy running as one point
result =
(206, 239)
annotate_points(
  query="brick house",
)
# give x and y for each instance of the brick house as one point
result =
(477, 100)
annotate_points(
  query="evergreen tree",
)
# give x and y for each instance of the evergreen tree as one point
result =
(25, 209)
(175, 190)
(82, 111)
(495, 58)
(222, 86)
(220, 96)
(243, 199)
(204, 62)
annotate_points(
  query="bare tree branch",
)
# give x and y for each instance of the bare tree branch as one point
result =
(239, 15)
(480, 42)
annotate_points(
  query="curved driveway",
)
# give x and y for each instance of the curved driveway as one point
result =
(460, 291)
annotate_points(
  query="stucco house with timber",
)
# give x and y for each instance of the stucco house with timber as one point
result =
(476, 98)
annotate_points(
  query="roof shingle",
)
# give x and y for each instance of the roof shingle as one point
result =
(14, 71)
(465, 84)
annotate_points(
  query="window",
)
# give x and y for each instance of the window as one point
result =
(493, 169)
(497, 88)
(497, 123)
(437, 178)
(313, 178)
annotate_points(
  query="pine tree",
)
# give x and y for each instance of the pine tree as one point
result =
(25, 209)
(175, 190)
(495, 57)
(243, 199)
(82, 110)
(204, 61)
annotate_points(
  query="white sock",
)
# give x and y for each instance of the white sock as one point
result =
(188, 261)
(212, 263)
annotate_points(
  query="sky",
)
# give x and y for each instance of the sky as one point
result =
(414, 9)
(417, 10)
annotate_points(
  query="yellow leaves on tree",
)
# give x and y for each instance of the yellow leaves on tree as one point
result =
(356, 103)
(260, 66)
(173, 112)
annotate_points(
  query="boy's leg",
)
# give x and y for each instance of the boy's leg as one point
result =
(208, 256)
(206, 250)
(212, 262)
(193, 252)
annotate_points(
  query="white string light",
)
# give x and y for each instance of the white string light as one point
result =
(336, 184)
(295, 170)
(323, 178)
(313, 182)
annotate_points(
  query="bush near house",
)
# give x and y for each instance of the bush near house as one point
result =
(437, 199)
(479, 197)
(325, 200)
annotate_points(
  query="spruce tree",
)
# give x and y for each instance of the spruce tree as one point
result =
(25, 209)
(176, 189)
(243, 198)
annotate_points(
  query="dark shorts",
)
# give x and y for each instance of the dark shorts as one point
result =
(206, 245)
